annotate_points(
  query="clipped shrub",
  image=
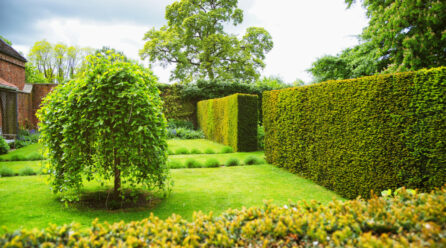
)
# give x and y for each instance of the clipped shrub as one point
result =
(209, 151)
(6, 172)
(192, 163)
(17, 157)
(195, 151)
(182, 150)
(4, 147)
(252, 160)
(170, 152)
(212, 163)
(227, 149)
(405, 220)
(176, 109)
(175, 164)
(27, 171)
(184, 133)
(178, 123)
(230, 120)
(34, 156)
(232, 162)
(357, 135)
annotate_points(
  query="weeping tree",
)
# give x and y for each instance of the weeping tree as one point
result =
(107, 124)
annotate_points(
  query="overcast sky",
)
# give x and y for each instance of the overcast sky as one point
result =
(302, 30)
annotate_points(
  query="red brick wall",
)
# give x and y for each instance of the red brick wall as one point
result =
(12, 70)
(24, 104)
(39, 92)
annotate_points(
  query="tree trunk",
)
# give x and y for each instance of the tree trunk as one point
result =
(117, 189)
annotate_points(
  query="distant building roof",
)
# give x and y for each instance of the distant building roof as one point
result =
(6, 85)
(8, 50)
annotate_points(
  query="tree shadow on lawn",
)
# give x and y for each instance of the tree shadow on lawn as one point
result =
(131, 200)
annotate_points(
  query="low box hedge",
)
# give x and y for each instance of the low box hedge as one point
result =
(408, 219)
(230, 120)
(357, 135)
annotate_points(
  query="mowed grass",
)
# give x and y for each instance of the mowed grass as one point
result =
(23, 152)
(222, 158)
(198, 144)
(16, 166)
(27, 202)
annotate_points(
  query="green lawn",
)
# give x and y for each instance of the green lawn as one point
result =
(23, 152)
(222, 158)
(199, 144)
(17, 166)
(27, 202)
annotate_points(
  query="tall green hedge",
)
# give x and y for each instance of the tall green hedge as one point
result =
(175, 106)
(357, 135)
(230, 120)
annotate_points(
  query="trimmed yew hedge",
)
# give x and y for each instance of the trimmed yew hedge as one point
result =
(230, 120)
(357, 135)
(408, 219)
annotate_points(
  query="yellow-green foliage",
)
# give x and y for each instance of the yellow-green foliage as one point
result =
(407, 219)
(175, 107)
(352, 136)
(230, 120)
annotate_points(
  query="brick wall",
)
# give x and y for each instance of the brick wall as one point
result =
(25, 117)
(39, 92)
(12, 70)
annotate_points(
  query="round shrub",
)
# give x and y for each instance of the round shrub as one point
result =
(192, 163)
(4, 147)
(212, 163)
(232, 162)
(108, 122)
(195, 151)
(27, 171)
(251, 160)
(227, 149)
(209, 151)
(182, 150)
(6, 172)
(175, 164)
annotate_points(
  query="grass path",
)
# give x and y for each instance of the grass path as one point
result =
(27, 202)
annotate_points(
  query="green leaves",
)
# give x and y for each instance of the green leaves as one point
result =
(194, 40)
(110, 118)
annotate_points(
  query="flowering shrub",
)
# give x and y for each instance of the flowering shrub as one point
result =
(405, 219)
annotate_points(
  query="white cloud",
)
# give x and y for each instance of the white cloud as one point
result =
(301, 31)
(305, 30)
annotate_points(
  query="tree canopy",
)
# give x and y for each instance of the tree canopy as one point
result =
(401, 36)
(195, 42)
(57, 62)
(107, 123)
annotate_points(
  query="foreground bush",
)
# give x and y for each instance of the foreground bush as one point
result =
(407, 219)
(4, 147)
(357, 135)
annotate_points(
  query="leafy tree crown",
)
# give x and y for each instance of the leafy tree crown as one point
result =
(108, 122)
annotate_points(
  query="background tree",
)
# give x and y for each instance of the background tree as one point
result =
(194, 41)
(6, 40)
(401, 36)
(107, 123)
(408, 34)
(41, 55)
(34, 76)
(59, 62)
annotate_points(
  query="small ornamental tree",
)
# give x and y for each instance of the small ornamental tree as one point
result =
(106, 124)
